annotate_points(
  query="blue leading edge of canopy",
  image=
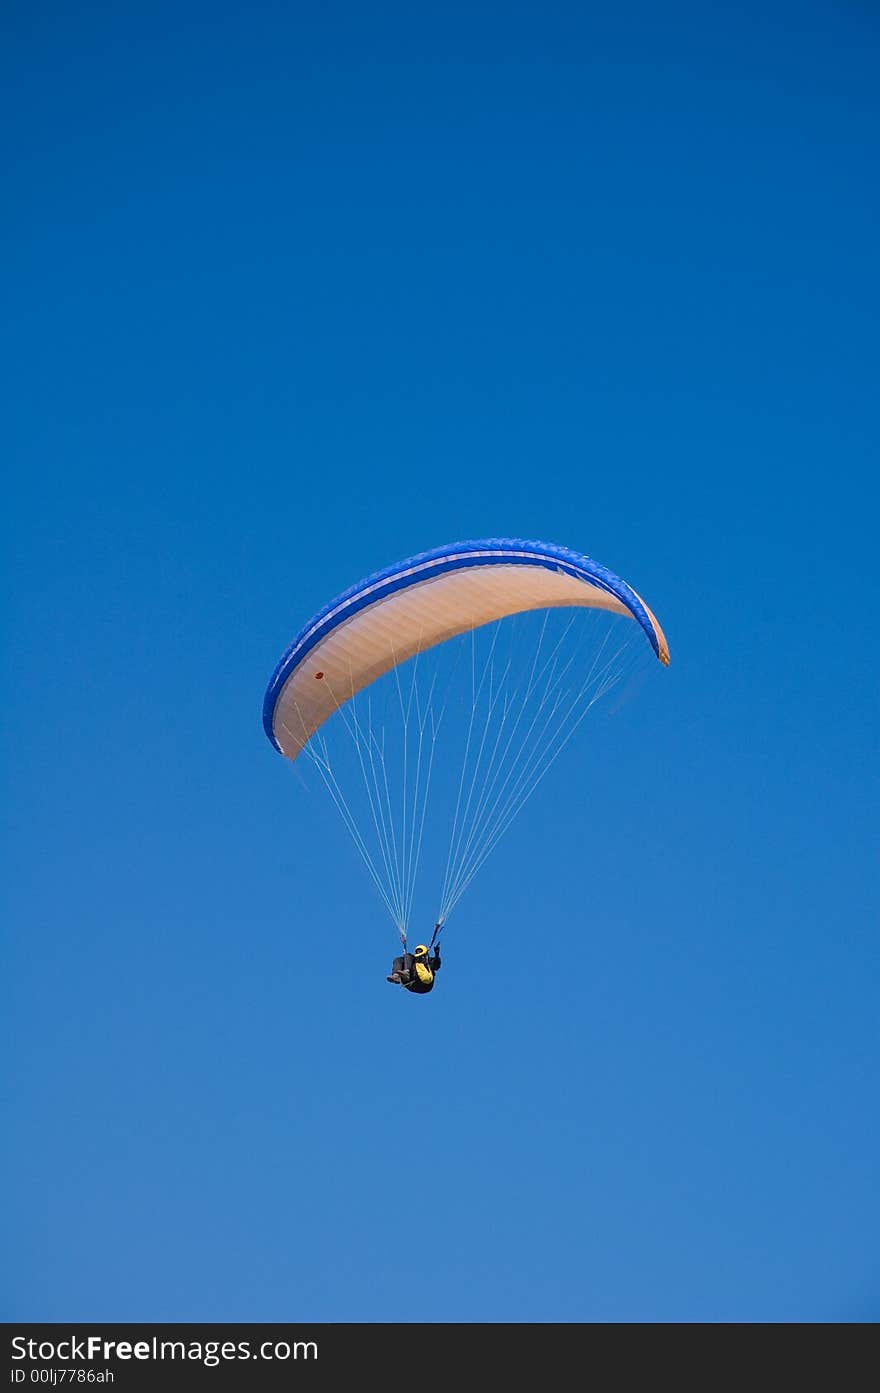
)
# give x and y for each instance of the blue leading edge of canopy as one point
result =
(454, 556)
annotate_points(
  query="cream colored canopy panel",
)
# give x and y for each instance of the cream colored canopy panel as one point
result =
(389, 631)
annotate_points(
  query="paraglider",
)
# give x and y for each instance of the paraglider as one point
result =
(416, 970)
(468, 630)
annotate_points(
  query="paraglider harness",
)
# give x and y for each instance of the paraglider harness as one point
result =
(420, 971)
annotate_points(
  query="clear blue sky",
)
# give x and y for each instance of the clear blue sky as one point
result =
(294, 291)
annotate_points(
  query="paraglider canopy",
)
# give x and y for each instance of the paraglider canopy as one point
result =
(411, 607)
(513, 696)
